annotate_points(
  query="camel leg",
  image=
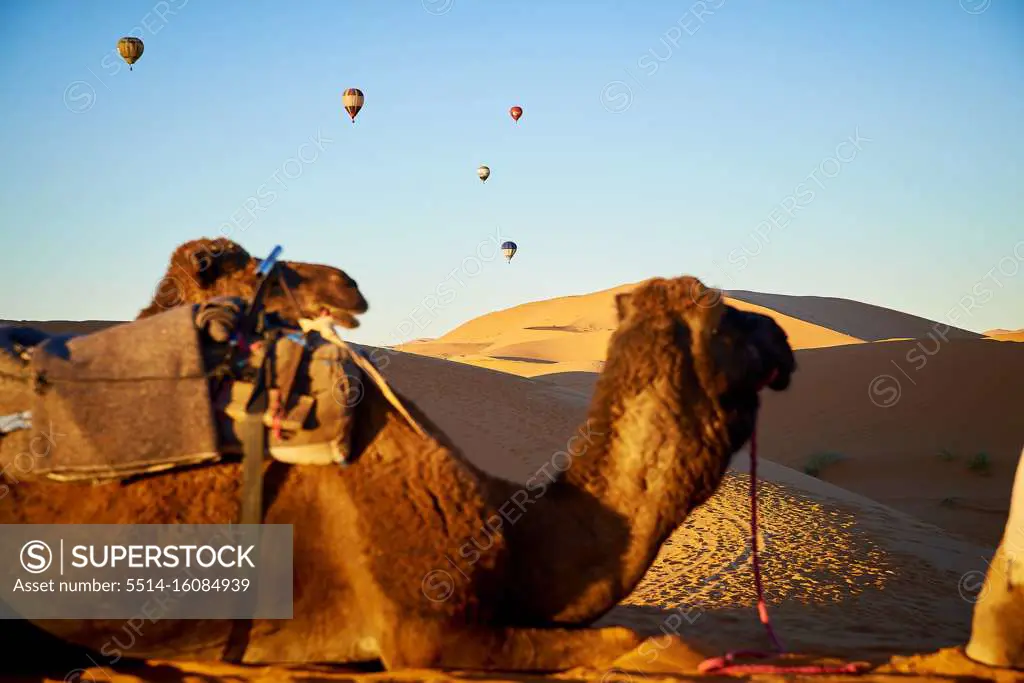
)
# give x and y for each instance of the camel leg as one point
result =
(997, 631)
(505, 649)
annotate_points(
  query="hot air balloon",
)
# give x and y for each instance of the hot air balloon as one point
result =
(509, 249)
(130, 49)
(515, 112)
(353, 102)
(483, 173)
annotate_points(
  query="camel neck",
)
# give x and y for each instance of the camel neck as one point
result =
(654, 447)
(639, 465)
(650, 466)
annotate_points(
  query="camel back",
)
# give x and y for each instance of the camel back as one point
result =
(138, 398)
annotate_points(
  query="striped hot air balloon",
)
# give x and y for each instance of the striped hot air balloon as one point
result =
(509, 249)
(483, 173)
(352, 100)
(130, 48)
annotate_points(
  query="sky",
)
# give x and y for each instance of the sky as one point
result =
(866, 150)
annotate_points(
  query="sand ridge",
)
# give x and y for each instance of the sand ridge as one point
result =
(856, 318)
(570, 335)
(1005, 335)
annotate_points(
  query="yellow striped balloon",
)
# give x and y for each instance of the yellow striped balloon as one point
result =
(352, 99)
(131, 49)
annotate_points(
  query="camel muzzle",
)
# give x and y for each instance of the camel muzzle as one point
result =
(345, 317)
(774, 362)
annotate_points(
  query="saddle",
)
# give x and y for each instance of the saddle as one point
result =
(159, 394)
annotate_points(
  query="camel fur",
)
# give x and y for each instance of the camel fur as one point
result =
(410, 556)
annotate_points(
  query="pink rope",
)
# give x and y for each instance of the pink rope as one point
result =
(762, 606)
(725, 663)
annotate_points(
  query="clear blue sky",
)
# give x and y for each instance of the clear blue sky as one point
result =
(721, 127)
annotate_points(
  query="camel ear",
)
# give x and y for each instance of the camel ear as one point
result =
(202, 265)
(206, 261)
(623, 304)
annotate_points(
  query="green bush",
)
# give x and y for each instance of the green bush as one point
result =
(819, 461)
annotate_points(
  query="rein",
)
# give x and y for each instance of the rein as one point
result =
(725, 664)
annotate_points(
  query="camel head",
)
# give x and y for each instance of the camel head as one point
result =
(705, 360)
(203, 269)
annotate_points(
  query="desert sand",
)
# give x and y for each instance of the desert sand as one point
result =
(876, 558)
(1005, 335)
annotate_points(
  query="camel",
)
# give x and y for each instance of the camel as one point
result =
(414, 557)
(202, 269)
(997, 625)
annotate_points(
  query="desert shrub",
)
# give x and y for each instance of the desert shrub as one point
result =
(980, 464)
(819, 461)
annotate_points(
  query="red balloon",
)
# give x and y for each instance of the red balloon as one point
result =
(516, 112)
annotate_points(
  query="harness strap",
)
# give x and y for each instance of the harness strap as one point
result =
(289, 293)
(324, 326)
(286, 376)
(253, 435)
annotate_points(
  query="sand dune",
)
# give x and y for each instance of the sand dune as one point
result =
(554, 336)
(810, 321)
(540, 319)
(1006, 335)
(802, 334)
(854, 318)
(913, 431)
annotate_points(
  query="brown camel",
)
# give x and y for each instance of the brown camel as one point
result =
(417, 558)
(206, 268)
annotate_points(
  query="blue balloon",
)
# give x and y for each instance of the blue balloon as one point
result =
(510, 250)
